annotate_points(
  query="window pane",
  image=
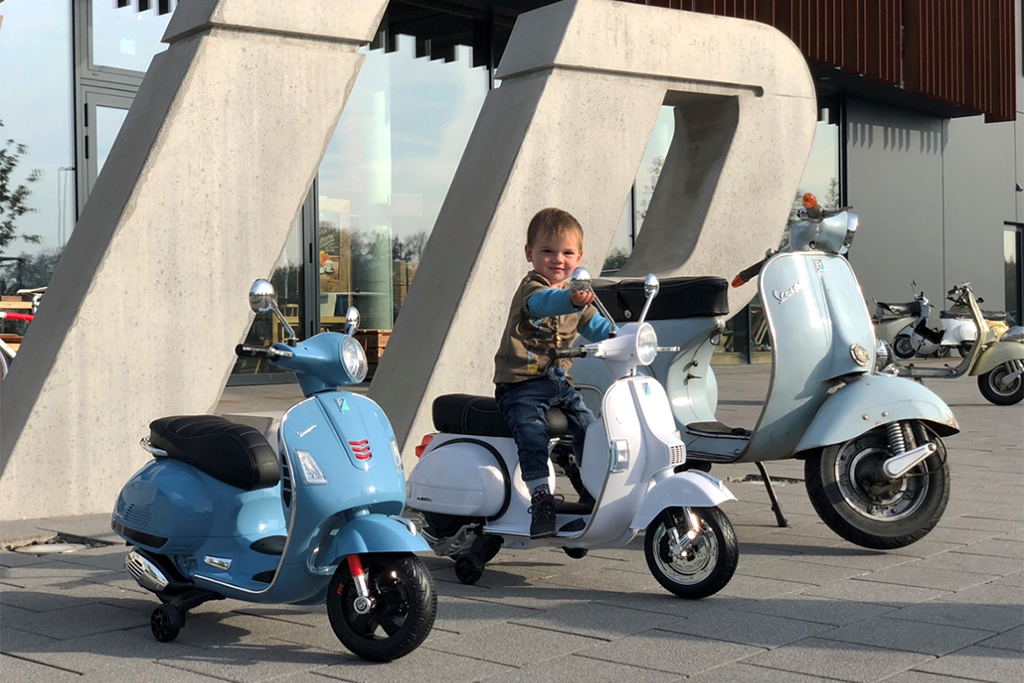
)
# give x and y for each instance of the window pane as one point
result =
(124, 38)
(385, 175)
(1012, 275)
(36, 113)
(108, 123)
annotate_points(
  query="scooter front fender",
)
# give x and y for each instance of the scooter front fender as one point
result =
(692, 488)
(997, 354)
(376, 533)
(871, 401)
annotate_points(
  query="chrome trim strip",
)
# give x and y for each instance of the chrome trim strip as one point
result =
(232, 586)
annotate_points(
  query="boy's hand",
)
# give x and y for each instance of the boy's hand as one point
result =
(580, 299)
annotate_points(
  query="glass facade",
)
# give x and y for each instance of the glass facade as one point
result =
(1013, 272)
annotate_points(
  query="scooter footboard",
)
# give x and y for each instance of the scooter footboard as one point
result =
(376, 533)
(872, 401)
(684, 489)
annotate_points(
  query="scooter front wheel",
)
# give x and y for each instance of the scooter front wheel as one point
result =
(902, 346)
(856, 500)
(399, 615)
(991, 385)
(697, 569)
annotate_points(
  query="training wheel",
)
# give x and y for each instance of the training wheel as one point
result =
(468, 568)
(576, 553)
(165, 622)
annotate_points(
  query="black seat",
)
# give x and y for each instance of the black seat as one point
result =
(967, 315)
(479, 416)
(912, 309)
(235, 454)
(678, 297)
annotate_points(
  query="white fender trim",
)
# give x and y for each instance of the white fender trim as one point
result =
(692, 488)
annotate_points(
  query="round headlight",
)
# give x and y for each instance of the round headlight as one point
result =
(353, 358)
(1014, 334)
(646, 344)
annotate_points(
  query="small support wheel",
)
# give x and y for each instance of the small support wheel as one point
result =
(166, 623)
(468, 568)
(576, 553)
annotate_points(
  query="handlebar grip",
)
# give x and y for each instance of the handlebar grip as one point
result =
(252, 351)
(571, 352)
(748, 273)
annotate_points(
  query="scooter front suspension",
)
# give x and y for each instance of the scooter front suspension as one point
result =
(364, 602)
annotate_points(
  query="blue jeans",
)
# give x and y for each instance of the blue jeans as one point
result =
(524, 405)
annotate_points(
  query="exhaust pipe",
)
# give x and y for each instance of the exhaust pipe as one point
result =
(145, 572)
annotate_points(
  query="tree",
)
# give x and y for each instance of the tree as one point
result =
(14, 202)
(616, 258)
(410, 249)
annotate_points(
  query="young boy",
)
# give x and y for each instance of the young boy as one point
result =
(545, 315)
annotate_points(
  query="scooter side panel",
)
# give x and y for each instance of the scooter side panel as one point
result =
(683, 489)
(997, 354)
(871, 401)
(816, 313)
(457, 476)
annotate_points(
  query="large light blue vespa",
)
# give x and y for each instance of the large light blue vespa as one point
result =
(220, 513)
(875, 465)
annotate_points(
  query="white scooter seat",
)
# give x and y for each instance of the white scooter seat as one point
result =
(235, 454)
(479, 416)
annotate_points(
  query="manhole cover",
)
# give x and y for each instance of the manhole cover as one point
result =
(56, 544)
(49, 548)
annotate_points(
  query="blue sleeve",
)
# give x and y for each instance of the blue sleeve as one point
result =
(597, 329)
(550, 303)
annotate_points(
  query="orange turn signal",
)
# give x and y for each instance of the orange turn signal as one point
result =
(810, 201)
(738, 281)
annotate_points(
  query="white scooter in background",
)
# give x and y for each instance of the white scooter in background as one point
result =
(468, 489)
(959, 330)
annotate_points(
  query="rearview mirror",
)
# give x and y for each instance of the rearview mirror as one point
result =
(261, 296)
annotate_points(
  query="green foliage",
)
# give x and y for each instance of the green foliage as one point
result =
(14, 199)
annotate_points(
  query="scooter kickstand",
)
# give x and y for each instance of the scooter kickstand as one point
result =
(780, 518)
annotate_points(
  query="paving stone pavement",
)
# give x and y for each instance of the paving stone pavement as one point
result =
(804, 605)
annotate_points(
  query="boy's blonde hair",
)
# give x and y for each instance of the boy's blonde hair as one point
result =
(552, 222)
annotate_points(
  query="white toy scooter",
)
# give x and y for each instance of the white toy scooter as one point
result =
(469, 492)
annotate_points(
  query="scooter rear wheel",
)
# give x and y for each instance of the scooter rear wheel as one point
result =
(708, 564)
(902, 347)
(854, 499)
(403, 611)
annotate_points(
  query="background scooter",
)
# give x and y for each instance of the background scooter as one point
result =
(874, 462)
(468, 488)
(220, 513)
(958, 329)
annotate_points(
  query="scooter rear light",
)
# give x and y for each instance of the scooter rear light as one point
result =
(421, 449)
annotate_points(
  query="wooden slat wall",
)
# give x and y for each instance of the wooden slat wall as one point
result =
(959, 52)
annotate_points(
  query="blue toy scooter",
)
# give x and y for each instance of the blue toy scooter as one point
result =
(220, 513)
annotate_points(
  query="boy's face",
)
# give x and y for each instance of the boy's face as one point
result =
(555, 257)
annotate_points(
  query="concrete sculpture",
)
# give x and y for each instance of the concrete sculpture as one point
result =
(582, 82)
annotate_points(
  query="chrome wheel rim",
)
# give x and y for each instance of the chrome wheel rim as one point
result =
(694, 570)
(856, 469)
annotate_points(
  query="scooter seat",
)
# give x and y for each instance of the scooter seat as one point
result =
(678, 297)
(998, 316)
(479, 416)
(912, 309)
(233, 453)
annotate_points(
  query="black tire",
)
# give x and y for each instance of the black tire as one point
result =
(707, 570)
(902, 347)
(404, 610)
(992, 390)
(468, 568)
(844, 487)
(165, 623)
(965, 348)
(576, 553)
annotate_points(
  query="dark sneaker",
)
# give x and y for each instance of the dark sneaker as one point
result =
(543, 509)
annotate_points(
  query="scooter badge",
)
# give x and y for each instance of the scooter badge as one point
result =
(342, 405)
(782, 296)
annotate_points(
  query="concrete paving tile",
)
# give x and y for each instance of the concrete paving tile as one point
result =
(44, 595)
(970, 615)
(755, 587)
(872, 591)
(525, 596)
(806, 608)
(928, 577)
(574, 668)
(460, 615)
(15, 641)
(843, 661)
(801, 572)
(164, 672)
(257, 658)
(1010, 640)
(997, 547)
(671, 605)
(99, 558)
(51, 569)
(922, 677)
(594, 620)
(82, 620)
(510, 644)
(674, 653)
(1015, 579)
(855, 558)
(422, 666)
(747, 628)
(1011, 513)
(991, 593)
(748, 673)
(605, 579)
(926, 548)
(897, 634)
(103, 652)
(14, 669)
(965, 561)
(981, 664)
(13, 559)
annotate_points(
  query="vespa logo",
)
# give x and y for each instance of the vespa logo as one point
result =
(342, 404)
(782, 296)
(305, 431)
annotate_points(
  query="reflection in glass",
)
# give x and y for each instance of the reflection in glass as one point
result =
(124, 38)
(108, 123)
(385, 175)
(1013, 277)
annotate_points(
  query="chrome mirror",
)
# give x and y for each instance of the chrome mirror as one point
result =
(351, 320)
(261, 296)
(580, 281)
(651, 287)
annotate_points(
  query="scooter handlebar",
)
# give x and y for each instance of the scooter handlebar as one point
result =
(268, 352)
(571, 352)
(748, 273)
